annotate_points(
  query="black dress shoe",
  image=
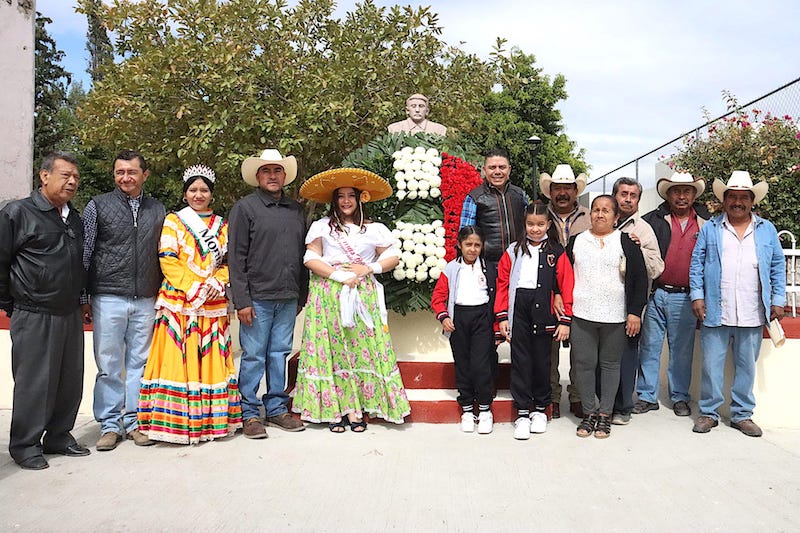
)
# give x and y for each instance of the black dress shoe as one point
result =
(36, 462)
(74, 450)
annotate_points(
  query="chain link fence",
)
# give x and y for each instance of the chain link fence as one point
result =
(649, 167)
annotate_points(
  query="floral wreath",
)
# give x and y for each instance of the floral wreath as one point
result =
(424, 214)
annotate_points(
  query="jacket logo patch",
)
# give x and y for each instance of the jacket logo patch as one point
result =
(551, 260)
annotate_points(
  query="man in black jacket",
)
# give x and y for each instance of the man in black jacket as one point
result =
(269, 285)
(41, 277)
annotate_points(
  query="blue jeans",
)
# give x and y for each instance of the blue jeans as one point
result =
(669, 313)
(746, 343)
(123, 331)
(265, 346)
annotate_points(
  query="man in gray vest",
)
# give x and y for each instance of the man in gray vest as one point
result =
(122, 230)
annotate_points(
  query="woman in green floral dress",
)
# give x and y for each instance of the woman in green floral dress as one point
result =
(348, 367)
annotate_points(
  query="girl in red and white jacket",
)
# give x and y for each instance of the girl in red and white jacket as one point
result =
(533, 306)
(461, 303)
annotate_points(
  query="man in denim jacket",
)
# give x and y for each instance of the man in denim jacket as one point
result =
(737, 282)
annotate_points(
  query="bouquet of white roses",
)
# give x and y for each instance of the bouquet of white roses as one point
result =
(417, 173)
(423, 251)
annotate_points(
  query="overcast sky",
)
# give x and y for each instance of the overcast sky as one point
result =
(639, 73)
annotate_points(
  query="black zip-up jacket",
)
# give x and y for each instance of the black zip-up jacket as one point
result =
(41, 268)
(499, 215)
(266, 243)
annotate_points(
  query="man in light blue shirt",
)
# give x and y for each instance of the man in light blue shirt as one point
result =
(737, 282)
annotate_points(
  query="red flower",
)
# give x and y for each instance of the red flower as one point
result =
(458, 178)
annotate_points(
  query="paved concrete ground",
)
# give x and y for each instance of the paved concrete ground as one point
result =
(653, 475)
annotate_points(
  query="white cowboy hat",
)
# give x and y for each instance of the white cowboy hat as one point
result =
(562, 174)
(740, 181)
(680, 178)
(269, 157)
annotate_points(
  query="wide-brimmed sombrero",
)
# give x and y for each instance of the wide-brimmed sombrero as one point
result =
(320, 187)
(680, 178)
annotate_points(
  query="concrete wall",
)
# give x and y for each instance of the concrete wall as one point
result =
(417, 337)
(16, 104)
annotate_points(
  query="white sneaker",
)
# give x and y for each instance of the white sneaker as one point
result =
(485, 422)
(538, 422)
(522, 428)
(467, 422)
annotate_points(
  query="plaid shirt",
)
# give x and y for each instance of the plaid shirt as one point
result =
(90, 233)
(469, 211)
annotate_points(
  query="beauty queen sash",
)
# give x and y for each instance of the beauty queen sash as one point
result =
(350, 302)
(206, 237)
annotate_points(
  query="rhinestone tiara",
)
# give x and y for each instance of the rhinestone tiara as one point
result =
(199, 170)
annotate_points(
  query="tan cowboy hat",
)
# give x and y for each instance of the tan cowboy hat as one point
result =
(680, 178)
(740, 181)
(320, 187)
(562, 174)
(269, 157)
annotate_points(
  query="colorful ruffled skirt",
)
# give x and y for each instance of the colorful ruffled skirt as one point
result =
(346, 370)
(189, 391)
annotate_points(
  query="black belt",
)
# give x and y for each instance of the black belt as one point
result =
(673, 289)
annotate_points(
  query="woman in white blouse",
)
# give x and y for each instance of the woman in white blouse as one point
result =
(609, 296)
(348, 367)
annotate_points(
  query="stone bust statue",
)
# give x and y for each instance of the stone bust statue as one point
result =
(417, 122)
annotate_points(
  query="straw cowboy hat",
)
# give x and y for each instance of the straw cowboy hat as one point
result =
(320, 187)
(269, 157)
(740, 181)
(680, 178)
(562, 174)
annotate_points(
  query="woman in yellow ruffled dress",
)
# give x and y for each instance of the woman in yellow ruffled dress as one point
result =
(189, 390)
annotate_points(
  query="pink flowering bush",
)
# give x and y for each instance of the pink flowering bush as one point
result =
(765, 145)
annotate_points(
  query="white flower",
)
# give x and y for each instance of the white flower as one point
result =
(442, 264)
(432, 152)
(408, 232)
(434, 273)
(423, 185)
(412, 185)
(435, 181)
(426, 228)
(419, 237)
(427, 167)
(401, 194)
(409, 246)
(414, 165)
(439, 241)
(434, 224)
(440, 252)
(400, 175)
(435, 193)
(419, 150)
(432, 261)
(407, 150)
(439, 231)
(412, 195)
(421, 275)
(437, 161)
(423, 194)
(407, 257)
(401, 184)
(396, 232)
(399, 274)
(396, 155)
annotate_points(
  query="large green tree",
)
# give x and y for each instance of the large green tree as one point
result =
(50, 93)
(214, 82)
(523, 105)
(101, 51)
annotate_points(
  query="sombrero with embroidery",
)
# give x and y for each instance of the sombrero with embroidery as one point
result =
(562, 174)
(740, 181)
(320, 187)
(680, 178)
(269, 157)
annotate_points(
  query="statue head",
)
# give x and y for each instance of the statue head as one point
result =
(417, 107)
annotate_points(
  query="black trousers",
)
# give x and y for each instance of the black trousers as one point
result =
(47, 365)
(472, 343)
(530, 357)
(491, 283)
